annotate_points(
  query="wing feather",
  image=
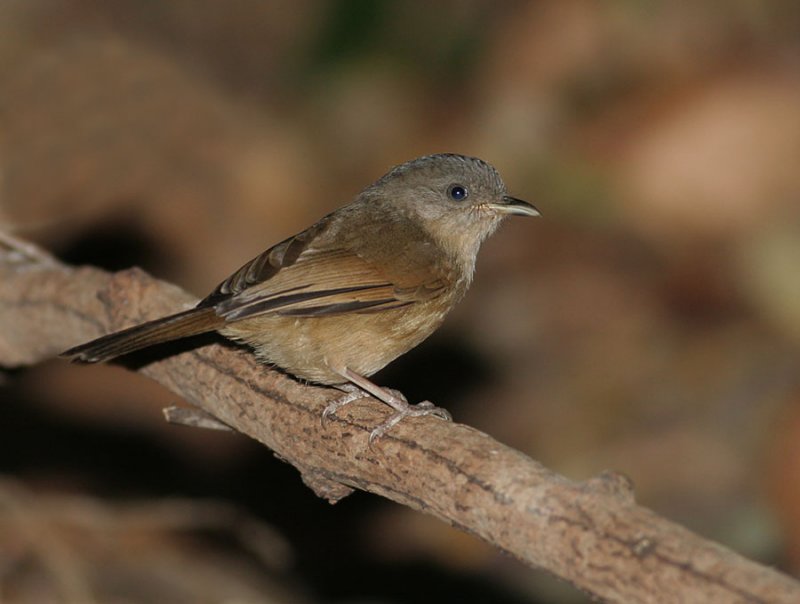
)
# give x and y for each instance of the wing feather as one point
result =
(311, 275)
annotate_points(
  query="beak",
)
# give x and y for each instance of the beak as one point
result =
(512, 205)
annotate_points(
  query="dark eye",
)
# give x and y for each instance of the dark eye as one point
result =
(457, 192)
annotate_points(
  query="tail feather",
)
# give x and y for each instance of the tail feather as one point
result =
(183, 324)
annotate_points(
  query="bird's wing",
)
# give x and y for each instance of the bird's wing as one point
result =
(314, 275)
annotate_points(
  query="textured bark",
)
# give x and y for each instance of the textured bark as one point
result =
(592, 533)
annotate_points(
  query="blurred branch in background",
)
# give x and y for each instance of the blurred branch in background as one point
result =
(591, 534)
(59, 548)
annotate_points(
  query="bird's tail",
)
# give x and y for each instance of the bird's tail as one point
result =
(180, 325)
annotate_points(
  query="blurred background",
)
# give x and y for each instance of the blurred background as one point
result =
(649, 322)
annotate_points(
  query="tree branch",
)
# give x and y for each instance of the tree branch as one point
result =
(592, 533)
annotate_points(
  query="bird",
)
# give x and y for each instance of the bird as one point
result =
(365, 284)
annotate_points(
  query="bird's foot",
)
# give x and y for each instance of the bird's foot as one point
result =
(351, 394)
(418, 410)
(391, 397)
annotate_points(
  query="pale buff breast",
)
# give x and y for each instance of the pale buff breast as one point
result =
(308, 347)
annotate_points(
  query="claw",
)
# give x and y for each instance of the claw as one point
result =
(418, 410)
(350, 395)
(439, 412)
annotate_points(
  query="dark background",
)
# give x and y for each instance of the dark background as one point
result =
(649, 322)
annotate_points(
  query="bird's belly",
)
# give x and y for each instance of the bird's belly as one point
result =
(309, 347)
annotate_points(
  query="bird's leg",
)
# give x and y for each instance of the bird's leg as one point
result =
(360, 387)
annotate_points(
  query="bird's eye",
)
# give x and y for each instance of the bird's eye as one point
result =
(457, 192)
